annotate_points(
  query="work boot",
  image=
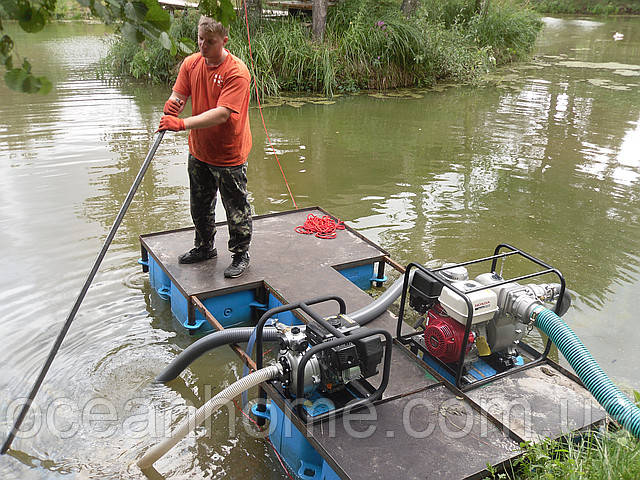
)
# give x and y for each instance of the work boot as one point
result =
(238, 266)
(197, 254)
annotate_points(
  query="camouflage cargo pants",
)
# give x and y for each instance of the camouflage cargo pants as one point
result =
(205, 180)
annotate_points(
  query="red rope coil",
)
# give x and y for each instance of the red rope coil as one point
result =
(322, 227)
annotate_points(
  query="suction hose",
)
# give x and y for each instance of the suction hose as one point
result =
(241, 335)
(616, 403)
(226, 395)
(377, 307)
(211, 341)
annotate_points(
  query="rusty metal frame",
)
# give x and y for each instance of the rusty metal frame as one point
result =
(195, 303)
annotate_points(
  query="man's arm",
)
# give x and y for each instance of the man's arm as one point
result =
(215, 116)
(210, 118)
(178, 96)
(235, 90)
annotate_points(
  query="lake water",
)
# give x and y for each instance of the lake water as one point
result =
(545, 156)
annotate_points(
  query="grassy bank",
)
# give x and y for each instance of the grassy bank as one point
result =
(369, 44)
(71, 10)
(590, 7)
(613, 455)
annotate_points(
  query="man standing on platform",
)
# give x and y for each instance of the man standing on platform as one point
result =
(219, 143)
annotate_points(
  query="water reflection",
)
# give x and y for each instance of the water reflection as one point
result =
(545, 157)
(547, 160)
(628, 153)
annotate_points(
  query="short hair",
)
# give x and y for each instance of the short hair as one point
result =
(211, 25)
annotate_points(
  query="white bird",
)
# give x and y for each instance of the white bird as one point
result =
(618, 36)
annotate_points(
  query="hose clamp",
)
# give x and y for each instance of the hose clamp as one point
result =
(535, 312)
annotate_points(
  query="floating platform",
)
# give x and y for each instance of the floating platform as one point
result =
(285, 266)
(423, 427)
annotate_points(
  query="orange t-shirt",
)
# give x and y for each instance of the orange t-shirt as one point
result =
(226, 85)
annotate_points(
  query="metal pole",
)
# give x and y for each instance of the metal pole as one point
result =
(76, 305)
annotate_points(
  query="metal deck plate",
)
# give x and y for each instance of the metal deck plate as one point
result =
(406, 375)
(539, 402)
(298, 267)
(426, 435)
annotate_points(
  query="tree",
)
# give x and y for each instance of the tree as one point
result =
(136, 19)
(409, 7)
(319, 19)
(254, 8)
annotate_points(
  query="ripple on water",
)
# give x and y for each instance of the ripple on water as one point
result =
(129, 368)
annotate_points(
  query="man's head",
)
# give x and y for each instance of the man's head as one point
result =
(208, 24)
(212, 37)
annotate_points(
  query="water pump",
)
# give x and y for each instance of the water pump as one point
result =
(499, 317)
(323, 359)
(334, 367)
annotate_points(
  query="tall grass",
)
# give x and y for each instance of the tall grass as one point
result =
(614, 455)
(508, 30)
(368, 44)
(610, 455)
(284, 57)
(593, 7)
(71, 10)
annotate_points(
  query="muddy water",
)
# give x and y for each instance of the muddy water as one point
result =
(545, 156)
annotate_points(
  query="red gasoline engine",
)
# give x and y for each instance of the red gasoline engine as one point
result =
(494, 331)
(443, 335)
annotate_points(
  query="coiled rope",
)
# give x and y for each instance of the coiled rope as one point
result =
(322, 227)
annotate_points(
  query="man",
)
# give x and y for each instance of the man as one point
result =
(219, 143)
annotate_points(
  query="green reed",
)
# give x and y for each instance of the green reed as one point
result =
(369, 44)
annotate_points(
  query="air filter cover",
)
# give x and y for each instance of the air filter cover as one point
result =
(485, 302)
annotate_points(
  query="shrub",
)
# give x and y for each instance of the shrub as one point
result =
(368, 44)
(150, 61)
(593, 7)
(590, 457)
(506, 29)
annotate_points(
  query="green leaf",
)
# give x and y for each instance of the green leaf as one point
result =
(14, 78)
(99, 9)
(227, 12)
(221, 10)
(30, 19)
(156, 15)
(165, 41)
(21, 80)
(30, 84)
(6, 45)
(12, 9)
(129, 32)
(26, 66)
(142, 11)
(187, 45)
(8, 63)
(45, 85)
(130, 12)
(636, 396)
